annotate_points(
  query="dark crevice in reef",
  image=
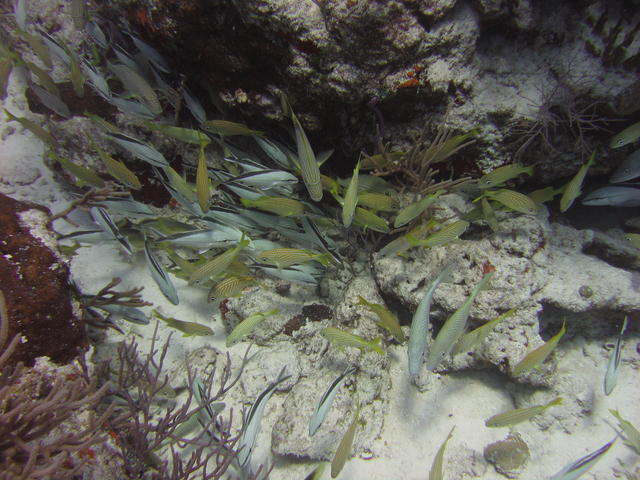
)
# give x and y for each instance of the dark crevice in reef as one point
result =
(602, 323)
(35, 285)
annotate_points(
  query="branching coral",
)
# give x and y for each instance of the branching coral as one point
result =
(143, 428)
(34, 410)
(416, 166)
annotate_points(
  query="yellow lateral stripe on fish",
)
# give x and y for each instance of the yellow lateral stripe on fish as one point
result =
(282, 206)
(246, 326)
(118, 170)
(630, 431)
(217, 265)
(633, 239)
(388, 320)
(367, 219)
(231, 286)
(343, 451)
(474, 337)
(226, 128)
(81, 173)
(445, 235)
(186, 135)
(436, 472)
(377, 201)
(573, 189)
(489, 215)
(539, 355)
(401, 244)
(514, 200)
(341, 338)
(202, 181)
(306, 157)
(503, 174)
(412, 210)
(519, 415)
(285, 257)
(350, 198)
(188, 328)
(626, 136)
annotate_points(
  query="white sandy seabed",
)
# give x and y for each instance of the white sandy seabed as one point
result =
(414, 424)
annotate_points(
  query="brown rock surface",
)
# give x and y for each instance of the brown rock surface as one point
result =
(36, 287)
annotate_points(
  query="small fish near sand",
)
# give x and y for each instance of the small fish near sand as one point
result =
(189, 329)
(536, 357)
(519, 415)
(575, 469)
(341, 338)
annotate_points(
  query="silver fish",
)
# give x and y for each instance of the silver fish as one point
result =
(327, 400)
(252, 423)
(151, 54)
(266, 179)
(160, 276)
(219, 236)
(194, 106)
(454, 327)
(577, 468)
(96, 33)
(55, 47)
(139, 149)
(51, 101)
(131, 314)
(303, 274)
(96, 79)
(611, 376)
(420, 323)
(106, 223)
(628, 169)
(613, 196)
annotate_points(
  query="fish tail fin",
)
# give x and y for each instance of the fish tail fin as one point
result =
(375, 346)
(556, 401)
(362, 301)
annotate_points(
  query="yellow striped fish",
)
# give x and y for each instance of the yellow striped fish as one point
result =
(474, 337)
(445, 235)
(118, 170)
(412, 210)
(188, 328)
(218, 265)
(631, 433)
(436, 467)
(344, 448)
(229, 287)
(186, 135)
(626, 136)
(514, 200)
(377, 201)
(306, 157)
(388, 320)
(246, 326)
(367, 219)
(341, 338)
(228, 129)
(83, 174)
(573, 189)
(489, 214)
(539, 355)
(519, 415)
(285, 257)
(282, 206)
(350, 198)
